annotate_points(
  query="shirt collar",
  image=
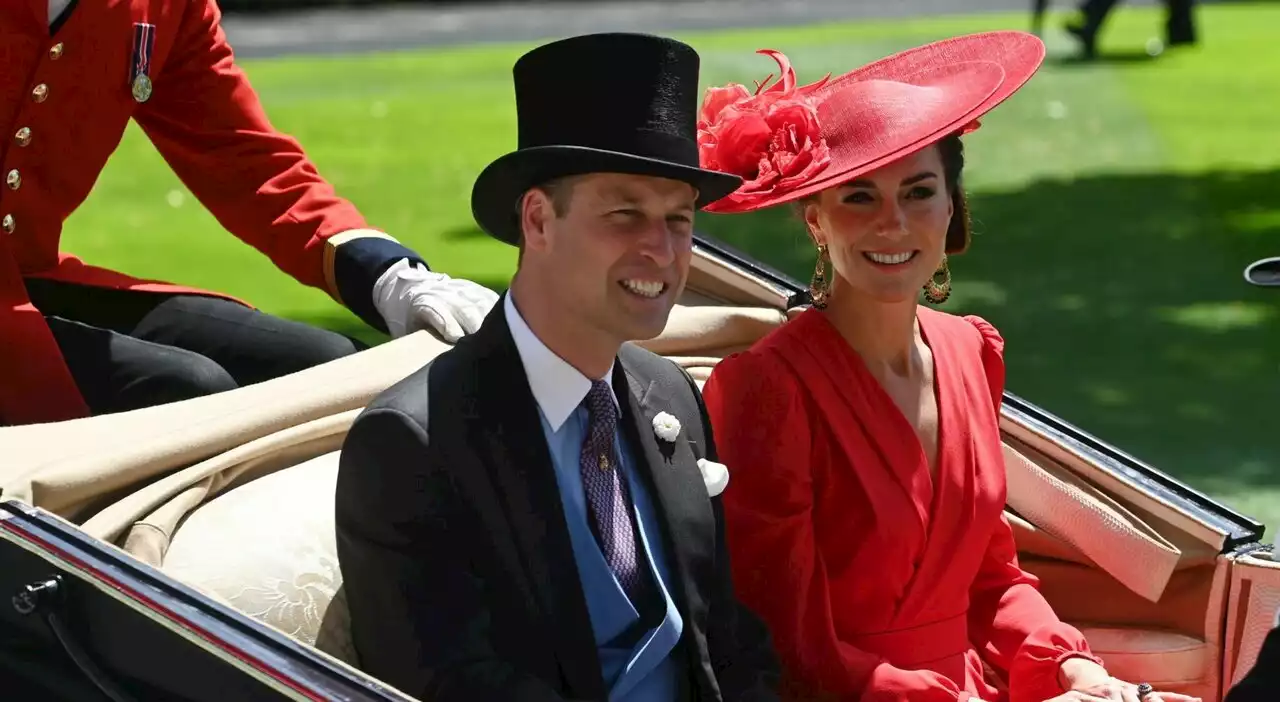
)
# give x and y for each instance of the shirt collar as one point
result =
(557, 386)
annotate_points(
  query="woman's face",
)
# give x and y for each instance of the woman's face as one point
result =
(885, 231)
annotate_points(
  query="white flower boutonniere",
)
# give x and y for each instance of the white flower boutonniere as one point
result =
(666, 427)
(715, 475)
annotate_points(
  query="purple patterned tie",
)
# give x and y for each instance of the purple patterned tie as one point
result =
(606, 490)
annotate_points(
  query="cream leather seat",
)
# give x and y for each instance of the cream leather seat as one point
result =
(267, 548)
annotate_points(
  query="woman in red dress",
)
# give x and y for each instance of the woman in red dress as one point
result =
(865, 505)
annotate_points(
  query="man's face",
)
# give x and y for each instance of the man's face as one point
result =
(617, 253)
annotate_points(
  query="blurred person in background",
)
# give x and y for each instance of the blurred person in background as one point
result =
(82, 340)
(1180, 26)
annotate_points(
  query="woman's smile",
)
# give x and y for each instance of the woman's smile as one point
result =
(890, 259)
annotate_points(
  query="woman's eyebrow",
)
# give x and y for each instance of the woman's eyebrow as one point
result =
(864, 183)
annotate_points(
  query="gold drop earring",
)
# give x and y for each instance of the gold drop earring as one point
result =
(938, 288)
(820, 285)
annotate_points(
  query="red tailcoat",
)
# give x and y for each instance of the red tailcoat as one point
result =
(66, 100)
(878, 582)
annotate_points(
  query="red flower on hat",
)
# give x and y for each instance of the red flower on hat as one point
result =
(771, 138)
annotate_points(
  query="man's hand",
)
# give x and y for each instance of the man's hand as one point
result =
(411, 298)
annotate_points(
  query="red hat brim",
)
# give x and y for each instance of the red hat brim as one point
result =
(893, 107)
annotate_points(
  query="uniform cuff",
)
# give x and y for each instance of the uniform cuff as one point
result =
(354, 260)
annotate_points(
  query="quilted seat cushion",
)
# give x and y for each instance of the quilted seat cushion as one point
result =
(267, 548)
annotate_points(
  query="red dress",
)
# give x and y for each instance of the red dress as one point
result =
(878, 584)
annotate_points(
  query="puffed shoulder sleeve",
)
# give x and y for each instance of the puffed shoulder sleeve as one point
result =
(1016, 631)
(992, 357)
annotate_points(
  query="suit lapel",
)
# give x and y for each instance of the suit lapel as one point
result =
(672, 473)
(510, 439)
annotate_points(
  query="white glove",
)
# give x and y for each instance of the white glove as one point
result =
(410, 298)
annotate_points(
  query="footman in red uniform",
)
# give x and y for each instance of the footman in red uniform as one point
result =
(76, 339)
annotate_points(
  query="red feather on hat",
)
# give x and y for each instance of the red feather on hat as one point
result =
(771, 138)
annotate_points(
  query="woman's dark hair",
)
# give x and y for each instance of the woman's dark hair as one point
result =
(951, 149)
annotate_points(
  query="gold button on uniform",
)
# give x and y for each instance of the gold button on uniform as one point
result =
(22, 137)
(55, 51)
(8, 224)
(13, 179)
(40, 92)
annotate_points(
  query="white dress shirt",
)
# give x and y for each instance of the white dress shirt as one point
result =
(557, 386)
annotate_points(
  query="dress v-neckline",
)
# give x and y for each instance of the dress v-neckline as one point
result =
(934, 479)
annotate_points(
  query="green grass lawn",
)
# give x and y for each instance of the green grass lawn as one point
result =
(1115, 205)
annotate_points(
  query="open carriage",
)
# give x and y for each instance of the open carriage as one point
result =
(186, 552)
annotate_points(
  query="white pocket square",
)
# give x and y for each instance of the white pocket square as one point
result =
(715, 475)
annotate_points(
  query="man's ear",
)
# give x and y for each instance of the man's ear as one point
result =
(536, 212)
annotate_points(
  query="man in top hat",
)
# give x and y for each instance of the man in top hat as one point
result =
(535, 514)
(80, 339)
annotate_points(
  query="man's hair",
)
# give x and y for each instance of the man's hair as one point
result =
(560, 192)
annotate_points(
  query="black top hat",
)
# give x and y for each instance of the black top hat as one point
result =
(600, 103)
(1264, 272)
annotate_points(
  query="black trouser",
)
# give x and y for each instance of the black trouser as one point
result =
(1179, 26)
(128, 349)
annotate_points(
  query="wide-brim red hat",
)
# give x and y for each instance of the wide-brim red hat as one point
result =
(789, 141)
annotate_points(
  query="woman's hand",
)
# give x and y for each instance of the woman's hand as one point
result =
(1084, 677)
(1120, 691)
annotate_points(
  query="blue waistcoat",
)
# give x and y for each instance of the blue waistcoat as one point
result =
(646, 672)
